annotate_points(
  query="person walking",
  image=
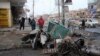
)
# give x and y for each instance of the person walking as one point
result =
(41, 22)
(33, 24)
(22, 23)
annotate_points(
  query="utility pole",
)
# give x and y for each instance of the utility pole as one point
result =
(33, 8)
(59, 10)
(63, 14)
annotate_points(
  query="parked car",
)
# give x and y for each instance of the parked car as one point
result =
(88, 23)
(91, 23)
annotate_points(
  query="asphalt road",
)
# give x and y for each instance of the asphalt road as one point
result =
(22, 52)
(97, 29)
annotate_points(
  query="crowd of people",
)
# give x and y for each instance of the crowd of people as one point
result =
(32, 23)
(40, 22)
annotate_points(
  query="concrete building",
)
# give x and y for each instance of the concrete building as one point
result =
(9, 11)
(98, 9)
(74, 14)
(81, 13)
(96, 4)
(5, 14)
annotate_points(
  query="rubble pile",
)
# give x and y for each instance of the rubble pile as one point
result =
(69, 49)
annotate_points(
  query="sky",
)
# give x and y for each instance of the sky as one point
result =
(50, 7)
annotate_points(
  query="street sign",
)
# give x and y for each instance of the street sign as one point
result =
(66, 9)
(67, 2)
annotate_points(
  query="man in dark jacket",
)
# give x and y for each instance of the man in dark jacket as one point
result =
(22, 23)
(29, 20)
(33, 24)
(83, 24)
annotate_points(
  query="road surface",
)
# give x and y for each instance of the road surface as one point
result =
(22, 52)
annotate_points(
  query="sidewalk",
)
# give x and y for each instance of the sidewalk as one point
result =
(11, 37)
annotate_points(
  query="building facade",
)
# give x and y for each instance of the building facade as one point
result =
(96, 5)
(9, 11)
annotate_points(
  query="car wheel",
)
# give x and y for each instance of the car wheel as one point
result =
(94, 26)
(89, 26)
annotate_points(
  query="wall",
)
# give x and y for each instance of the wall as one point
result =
(98, 5)
(4, 0)
(6, 5)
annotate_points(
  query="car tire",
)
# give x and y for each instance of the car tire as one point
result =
(94, 26)
(89, 26)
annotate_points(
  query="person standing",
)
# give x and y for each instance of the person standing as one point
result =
(41, 22)
(83, 24)
(22, 23)
(29, 20)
